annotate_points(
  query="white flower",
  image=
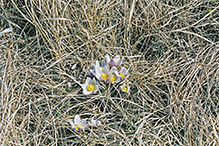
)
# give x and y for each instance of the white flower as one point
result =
(114, 75)
(94, 123)
(102, 74)
(78, 125)
(115, 61)
(90, 86)
(125, 87)
(123, 73)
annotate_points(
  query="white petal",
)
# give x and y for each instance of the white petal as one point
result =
(123, 85)
(117, 58)
(83, 123)
(128, 90)
(84, 86)
(97, 63)
(107, 58)
(98, 72)
(85, 92)
(77, 120)
(116, 73)
(113, 69)
(123, 71)
(96, 89)
(87, 81)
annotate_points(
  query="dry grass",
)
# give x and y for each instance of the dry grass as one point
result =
(170, 47)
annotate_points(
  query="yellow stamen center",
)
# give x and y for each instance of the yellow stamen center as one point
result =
(104, 76)
(90, 87)
(77, 127)
(124, 89)
(113, 78)
(121, 75)
(102, 68)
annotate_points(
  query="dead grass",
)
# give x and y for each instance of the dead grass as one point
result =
(171, 50)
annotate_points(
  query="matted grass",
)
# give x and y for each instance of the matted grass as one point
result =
(171, 51)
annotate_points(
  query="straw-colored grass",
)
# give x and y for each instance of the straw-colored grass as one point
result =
(169, 46)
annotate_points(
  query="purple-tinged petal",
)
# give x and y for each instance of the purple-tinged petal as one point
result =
(112, 62)
(89, 73)
(101, 79)
(80, 130)
(86, 71)
(103, 64)
(119, 62)
(74, 129)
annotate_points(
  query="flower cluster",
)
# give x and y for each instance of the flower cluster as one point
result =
(79, 125)
(107, 72)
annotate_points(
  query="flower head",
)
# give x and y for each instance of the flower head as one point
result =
(90, 86)
(102, 74)
(115, 61)
(114, 75)
(78, 125)
(125, 87)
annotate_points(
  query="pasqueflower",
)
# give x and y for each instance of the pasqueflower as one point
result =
(90, 86)
(102, 74)
(78, 125)
(114, 75)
